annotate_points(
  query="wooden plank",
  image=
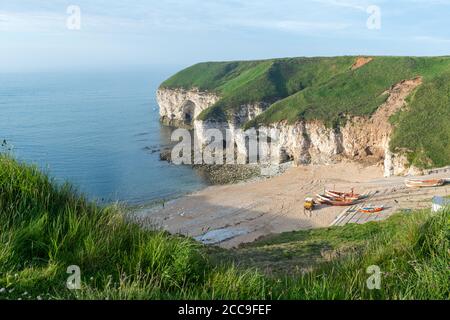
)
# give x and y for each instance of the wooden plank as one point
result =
(338, 219)
(364, 218)
(350, 216)
(344, 216)
(370, 218)
(339, 223)
(356, 217)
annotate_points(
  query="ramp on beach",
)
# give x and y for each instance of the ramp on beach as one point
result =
(352, 214)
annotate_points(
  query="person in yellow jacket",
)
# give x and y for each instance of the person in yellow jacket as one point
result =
(309, 206)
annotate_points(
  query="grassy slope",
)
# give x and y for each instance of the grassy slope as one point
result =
(258, 81)
(45, 228)
(294, 252)
(425, 129)
(327, 89)
(358, 92)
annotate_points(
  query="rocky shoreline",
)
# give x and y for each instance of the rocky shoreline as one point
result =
(231, 173)
(227, 174)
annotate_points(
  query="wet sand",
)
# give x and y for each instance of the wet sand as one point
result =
(234, 214)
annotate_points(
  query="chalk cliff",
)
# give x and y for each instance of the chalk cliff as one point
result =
(180, 107)
(362, 139)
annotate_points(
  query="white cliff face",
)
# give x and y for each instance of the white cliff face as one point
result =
(183, 106)
(234, 136)
(248, 112)
(398, 165)
(180, 105)
(361, 139)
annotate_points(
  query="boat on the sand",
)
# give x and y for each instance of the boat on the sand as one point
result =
(343, 195)
(323, 199)
(371, 209)
(417, 183)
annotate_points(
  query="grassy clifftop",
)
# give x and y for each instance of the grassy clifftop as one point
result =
(256, 81)
(330, 90)
(45, 228)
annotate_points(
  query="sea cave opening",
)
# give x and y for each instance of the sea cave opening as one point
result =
(189, 112)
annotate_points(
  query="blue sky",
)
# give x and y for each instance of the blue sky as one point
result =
(135, 34)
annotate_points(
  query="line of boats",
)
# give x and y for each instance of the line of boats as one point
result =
(343, 199)
(339, 199)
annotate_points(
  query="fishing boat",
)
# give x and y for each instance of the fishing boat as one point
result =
(343, 195)
(416, 183)
(323, 199)
(371, 209)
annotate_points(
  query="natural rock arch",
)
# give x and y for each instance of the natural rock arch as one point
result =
(188, 111)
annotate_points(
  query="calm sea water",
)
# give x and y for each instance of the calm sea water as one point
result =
(96, 131)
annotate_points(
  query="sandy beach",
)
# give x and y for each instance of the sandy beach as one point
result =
(234, 214)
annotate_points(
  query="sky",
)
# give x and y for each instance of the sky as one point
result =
(47, 35)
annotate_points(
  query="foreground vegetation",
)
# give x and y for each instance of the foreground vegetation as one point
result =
(329, 90)
(44, 228)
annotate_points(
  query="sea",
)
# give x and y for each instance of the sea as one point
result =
(99, 131)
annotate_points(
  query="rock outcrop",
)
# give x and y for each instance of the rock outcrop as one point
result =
(363, 139)
(361, 61)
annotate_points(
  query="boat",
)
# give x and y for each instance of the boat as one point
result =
(343, 195)
(371, 209)
(323, 199)
(416, 183)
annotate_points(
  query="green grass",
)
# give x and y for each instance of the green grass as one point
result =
(353, 93)
(44, 228)
(424, 130)
(247, 82)
(326, 89)
(207, 76)
(294, 252)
